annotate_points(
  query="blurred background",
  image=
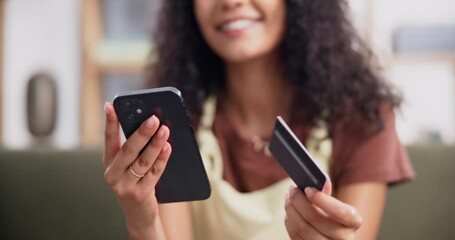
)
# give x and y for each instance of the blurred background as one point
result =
(93, 49)
(62, 59)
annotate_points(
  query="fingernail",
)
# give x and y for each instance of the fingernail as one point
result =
(150, 121)
(309, 192)
(165, 147)
(106, 108)
(161, 131)
(293, 191)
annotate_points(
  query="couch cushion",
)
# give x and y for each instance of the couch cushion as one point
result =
(423, 208)
(51, 194)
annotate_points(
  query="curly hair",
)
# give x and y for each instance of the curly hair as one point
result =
(326, 61)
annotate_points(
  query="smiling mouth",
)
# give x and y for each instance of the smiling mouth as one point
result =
(236, 25)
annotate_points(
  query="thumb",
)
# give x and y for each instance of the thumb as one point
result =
(327, 189)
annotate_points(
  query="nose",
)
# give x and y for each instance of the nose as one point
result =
(232, 4)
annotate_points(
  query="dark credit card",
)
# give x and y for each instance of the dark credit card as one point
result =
(294, 157)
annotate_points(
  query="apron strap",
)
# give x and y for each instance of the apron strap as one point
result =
(208, 144)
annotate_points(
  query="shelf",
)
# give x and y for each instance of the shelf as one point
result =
(122, 55)
(91, 112)
(100, 56)
(427, 56)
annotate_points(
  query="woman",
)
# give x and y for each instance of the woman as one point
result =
(239, 64)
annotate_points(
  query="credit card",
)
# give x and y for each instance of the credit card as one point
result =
(294, 157)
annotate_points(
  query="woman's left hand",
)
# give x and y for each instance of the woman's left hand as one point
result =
(318, 215)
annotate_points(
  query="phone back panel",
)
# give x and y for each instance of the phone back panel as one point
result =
(184, 178)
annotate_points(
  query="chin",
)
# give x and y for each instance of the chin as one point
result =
(241, 55)
(237, 58)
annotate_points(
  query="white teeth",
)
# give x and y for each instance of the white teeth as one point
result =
(237, 25)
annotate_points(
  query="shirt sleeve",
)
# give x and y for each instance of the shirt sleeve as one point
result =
(378, 157)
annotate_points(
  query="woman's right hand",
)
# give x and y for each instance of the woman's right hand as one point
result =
(313, 214)
(125, 164)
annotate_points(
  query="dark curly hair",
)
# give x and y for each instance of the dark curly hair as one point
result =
(323, 57)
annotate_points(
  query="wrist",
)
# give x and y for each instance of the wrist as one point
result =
(145, 229)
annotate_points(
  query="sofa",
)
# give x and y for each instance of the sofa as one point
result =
(423, 208)
(54, 194)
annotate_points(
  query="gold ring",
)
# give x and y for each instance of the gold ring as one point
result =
(135, 174)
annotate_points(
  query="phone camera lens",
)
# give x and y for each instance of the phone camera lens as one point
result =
(125, 106)
(130, 118)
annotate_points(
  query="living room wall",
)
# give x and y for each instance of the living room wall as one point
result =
(41, 36)
(45, 36)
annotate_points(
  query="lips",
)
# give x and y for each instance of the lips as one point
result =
(236, 25)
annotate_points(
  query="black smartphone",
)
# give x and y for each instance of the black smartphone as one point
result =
(184, 178)
(295, 158)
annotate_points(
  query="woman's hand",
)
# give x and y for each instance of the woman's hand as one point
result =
(317, 215)
(133, 174)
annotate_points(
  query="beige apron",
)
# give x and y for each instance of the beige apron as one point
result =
(229, 214)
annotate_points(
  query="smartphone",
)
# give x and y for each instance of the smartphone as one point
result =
(294, 157)
(184, 178)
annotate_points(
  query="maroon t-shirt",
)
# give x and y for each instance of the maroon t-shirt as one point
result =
(356, 156)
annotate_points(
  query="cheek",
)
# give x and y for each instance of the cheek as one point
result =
(202, 9)
(277, 19)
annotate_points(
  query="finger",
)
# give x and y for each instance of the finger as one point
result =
(297, 226)
(293, 235)
(132, 147)
(111, 135)
(153, 175)
(320, 220)
(327, 189)
(341, 212)
(310, 213)
(147, 158)
(288, 220)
